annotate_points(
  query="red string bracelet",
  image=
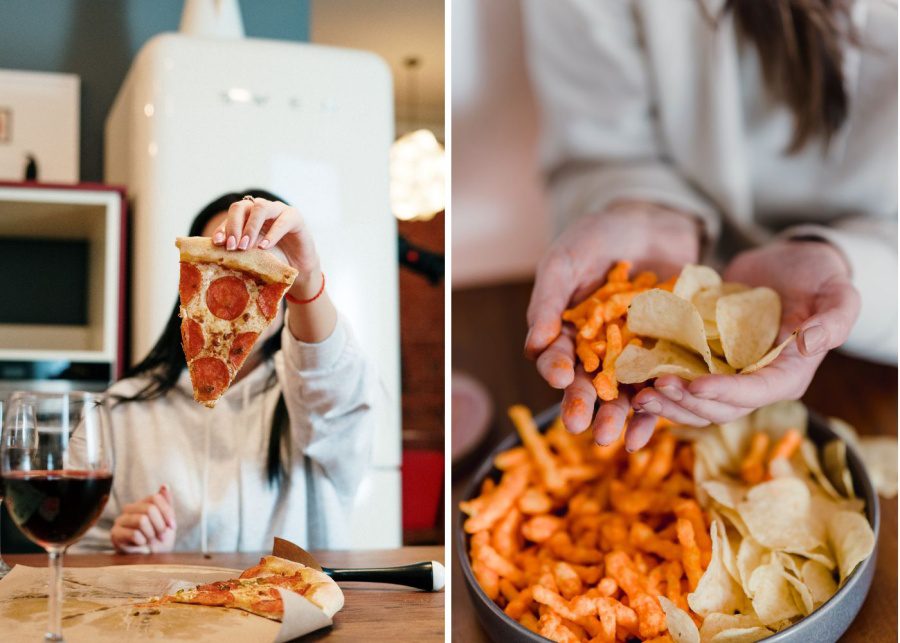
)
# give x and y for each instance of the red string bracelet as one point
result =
(294, 300)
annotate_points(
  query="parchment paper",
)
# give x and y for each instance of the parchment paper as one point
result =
(109, 604)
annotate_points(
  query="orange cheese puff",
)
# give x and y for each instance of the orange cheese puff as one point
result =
(591, 625)
(551, 627)
(674, 572)
(651, 617)
(637, 464)
(619, 272)
(530, 621)
(668, 284)
(613, 347)
(500, 501)
(510, 458)
(690, 509)
(520, 604)
(607, 586)
(607, 614)
(541, 528)
(567, 579)
(489, 556)
(599, 348)
(787, 445)
(620, 567)
(690, 552)
(554, 601)
(645, 538)
(660, 464)
(589, 359)
(665, 638)
(508, 590)
(645, 279)
(565, 443)
(752, 470)
(593, 323)
(540, 452)
(535, 501)
(606, 386)
(487, 578)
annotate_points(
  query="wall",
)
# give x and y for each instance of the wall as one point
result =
(97, 41)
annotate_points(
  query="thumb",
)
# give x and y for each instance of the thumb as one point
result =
(166, 493)
(836, 308)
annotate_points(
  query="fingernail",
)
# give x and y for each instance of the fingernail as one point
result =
(232, 243)
(220, 236)
(652, 406)
(264, 244)
(814, 339)
(245, 241)
(671, 392)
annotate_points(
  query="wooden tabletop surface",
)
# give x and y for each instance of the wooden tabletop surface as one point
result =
(371, 612)
(488, 335)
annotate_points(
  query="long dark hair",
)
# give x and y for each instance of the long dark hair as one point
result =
(801, 48)
(165, 361)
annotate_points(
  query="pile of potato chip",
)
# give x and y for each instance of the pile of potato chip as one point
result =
(787, 527)
(689, 327)
(576, 541)
(725, 533)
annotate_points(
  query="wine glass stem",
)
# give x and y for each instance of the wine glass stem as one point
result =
(55, 595)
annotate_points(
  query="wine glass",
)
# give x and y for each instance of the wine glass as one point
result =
(56, 464)
(4, 568)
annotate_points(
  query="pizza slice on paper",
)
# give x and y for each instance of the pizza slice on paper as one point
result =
(228, 298)
(256, 590)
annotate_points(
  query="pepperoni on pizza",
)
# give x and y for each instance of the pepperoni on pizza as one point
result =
(228, 298)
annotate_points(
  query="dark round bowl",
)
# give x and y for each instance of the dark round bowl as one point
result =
(825, 625)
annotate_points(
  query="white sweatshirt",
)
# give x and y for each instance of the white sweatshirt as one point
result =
(662, 101)
(214, 460)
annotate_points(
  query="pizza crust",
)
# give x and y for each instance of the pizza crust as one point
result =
(258, 262)
(323, 591)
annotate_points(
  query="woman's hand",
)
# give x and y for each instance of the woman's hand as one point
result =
(817, 299)
(265, 224)
(652, 238)
(147, 526)
(271, 225)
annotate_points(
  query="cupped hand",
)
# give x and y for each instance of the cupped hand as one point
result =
(147, 526)
(817, 298)
(651, 237)
(267, 225)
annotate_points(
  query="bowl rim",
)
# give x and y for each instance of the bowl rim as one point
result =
(861, 482)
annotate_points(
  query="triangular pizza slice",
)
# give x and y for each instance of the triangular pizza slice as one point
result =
(228, 298)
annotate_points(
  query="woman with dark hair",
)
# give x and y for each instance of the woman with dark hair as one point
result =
(759, 135)
(285, 448)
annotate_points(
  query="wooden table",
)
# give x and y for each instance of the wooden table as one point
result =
(488, 335)
(371, 612)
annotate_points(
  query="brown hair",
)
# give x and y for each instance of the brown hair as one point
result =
(800, 45)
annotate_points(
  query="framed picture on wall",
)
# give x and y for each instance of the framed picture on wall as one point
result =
(5, 125)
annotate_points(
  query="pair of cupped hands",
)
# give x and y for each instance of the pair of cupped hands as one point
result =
(811, 277)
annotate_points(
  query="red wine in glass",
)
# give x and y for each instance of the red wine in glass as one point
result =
(56, 507)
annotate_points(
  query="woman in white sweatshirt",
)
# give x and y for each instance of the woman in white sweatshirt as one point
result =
(285, 448)
(764, 131)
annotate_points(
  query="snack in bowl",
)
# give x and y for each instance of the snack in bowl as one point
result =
(256, 590)
(548, 540)
(628, 332)
(227, 300)
(577, 541)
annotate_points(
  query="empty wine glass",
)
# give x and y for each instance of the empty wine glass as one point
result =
(56, 464)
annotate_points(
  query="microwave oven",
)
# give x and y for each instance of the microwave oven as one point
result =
(62, 265)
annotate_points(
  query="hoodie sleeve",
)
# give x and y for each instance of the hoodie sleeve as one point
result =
(331, 390)
(600, 139)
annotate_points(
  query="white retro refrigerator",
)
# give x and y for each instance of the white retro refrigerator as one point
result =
(197, 117)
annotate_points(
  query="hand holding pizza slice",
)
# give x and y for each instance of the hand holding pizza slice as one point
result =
(227, 300)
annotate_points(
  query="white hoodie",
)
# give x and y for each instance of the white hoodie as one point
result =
(214, 460)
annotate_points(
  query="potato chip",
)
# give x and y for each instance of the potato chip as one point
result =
(779, 515)
(802, 595)
(715, 623)
(663, 315)
(705, 300)
(769, 357)
(715, 344)
(834, 462)
(729, 540)
(638, 364)
(736, 437)
(726, 493)
(773, 598)
(748, 324)
(681, 626)
(693, 279)
(811, 458)
(851, 538)
(778, 418)
(717, 591)
(819, 580)
(879, 453)
(750, 555)
(741, 635)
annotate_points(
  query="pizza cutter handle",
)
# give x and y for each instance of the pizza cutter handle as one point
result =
(427, 576)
